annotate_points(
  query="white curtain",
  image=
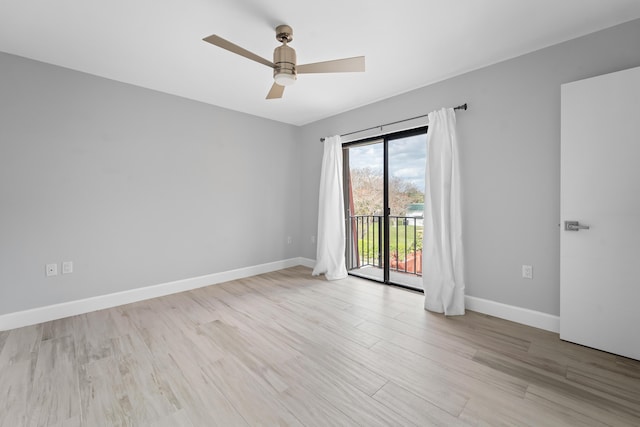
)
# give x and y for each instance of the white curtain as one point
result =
(442, 262)
(331, 228)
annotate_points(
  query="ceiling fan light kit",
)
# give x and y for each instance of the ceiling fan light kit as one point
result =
(284, 78)
(284, 66)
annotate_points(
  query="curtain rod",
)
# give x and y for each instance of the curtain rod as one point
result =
(459, 107)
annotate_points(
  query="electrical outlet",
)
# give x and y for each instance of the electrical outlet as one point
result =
(67, 267)
(527, 272)
(313, 239)
(289, 240)
(51, 270)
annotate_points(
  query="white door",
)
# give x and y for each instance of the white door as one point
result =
(600, 174)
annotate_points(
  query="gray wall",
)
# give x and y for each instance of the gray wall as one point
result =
(510, 159)
(134, 186)
(139, 188)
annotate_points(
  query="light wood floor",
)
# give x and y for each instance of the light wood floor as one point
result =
(288, 349)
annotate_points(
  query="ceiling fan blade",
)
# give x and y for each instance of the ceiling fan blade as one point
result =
(275, 92)
(225, 44)
(346, 65)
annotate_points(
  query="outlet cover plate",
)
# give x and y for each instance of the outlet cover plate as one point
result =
(51, 270)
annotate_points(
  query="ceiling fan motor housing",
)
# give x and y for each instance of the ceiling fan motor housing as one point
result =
(284, 59)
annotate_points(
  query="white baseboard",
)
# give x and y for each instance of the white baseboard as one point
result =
(537, 319)
(72, 308)
(33, 316)
(307, 262)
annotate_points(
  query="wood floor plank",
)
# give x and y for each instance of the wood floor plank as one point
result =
(575, 406)
(18, 359)
(626, 366)
(428, 385)
(550, 381)
(93, 333)
(419, 411)
(463, 329)
(512, 411)
(347, 398)
(55, 395)
(102, 395)
(15, 391)
(313, 410)
(286, 348)
(258, 404)
(57, 328)
(177, 419)
(564, 352)
(393, 330)
(148, 395)
(201, 399)
(463, 371)
(3, 338)
(607, 393)
(332, 360)
(20, 344)
(608, 382)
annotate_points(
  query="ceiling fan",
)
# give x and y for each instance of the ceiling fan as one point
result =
(284, 65)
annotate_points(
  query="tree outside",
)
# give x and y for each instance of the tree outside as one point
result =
(405, 235)
(367, 185)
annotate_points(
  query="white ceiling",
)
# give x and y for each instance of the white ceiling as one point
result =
(408, 44)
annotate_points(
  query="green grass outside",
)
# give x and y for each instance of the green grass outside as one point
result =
(369, 248)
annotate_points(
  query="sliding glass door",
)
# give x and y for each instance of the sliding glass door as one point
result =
(364, 170)
(384, 192)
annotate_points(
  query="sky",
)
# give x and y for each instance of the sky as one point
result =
(407, 158)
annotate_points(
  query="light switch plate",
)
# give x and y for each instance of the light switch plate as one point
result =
(67, 267)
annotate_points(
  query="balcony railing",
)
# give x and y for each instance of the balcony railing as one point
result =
(366, 243)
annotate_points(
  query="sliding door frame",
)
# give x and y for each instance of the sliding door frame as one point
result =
(384, 140)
